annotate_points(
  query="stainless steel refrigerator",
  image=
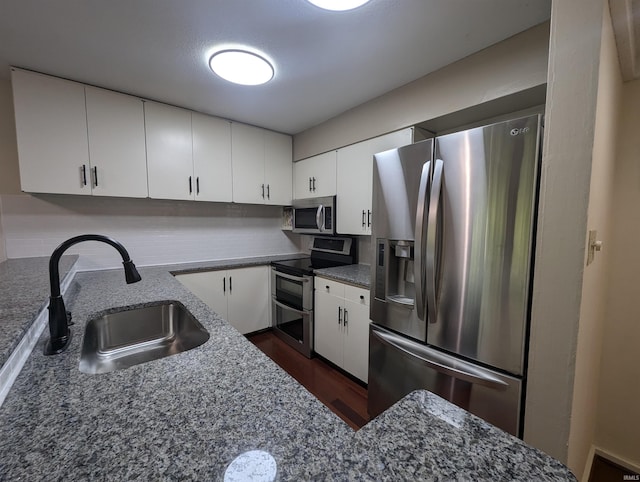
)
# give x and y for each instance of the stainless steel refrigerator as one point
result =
(453, 235)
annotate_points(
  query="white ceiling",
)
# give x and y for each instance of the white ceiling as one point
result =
(326, 62)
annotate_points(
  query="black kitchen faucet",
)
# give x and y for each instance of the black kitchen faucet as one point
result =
(58, 317)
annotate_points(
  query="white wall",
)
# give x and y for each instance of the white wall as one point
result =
(618, 421)
(574, 57)
(593, 309)
(511, 66)
(153, 231)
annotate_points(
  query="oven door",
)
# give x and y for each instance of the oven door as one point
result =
(294, 291)
(293, 326)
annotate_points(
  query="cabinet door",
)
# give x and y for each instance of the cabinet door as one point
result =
(356, 337)
(328, 326)
(211, 158)
(169, 151)
(355, 179)
(315, 176)
(247, 154)
(249, 300)
(115, 124)
(51, 128)
(209, 286)
(302, 179)
(278, 168)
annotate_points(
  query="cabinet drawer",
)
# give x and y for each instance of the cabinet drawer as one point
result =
(328, 286)
(356, 294)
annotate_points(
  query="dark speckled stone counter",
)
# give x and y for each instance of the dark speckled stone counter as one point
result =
(24, 290)
(355, 274)
(187, 416)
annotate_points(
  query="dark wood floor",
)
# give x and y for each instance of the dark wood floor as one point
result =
(344, 396)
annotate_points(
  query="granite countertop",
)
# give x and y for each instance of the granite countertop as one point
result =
(24, 291)
(355, 274)
(187, 416)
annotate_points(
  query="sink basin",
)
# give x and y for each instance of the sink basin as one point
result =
(125, 338)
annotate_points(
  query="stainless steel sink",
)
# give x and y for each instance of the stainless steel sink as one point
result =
(130, 337)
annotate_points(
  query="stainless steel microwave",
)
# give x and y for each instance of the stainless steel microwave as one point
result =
(315, 215)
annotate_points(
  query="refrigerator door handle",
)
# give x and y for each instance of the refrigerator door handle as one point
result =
(440, 362)
(418, 265)
(430, 272)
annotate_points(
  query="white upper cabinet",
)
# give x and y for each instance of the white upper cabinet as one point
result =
(211, 158)
(117, 154)
(278, 168)
(262, 165)
(355, 179)
(247, 154)
(51, 128)
(169, 151)
(315, 176)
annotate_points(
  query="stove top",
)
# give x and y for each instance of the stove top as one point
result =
(326, 252)
(302, 266)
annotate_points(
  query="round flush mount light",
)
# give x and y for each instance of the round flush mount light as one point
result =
(241, 67)
(338, 5)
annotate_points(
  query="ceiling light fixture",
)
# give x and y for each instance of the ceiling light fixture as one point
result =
(241, 67)
(338, 5)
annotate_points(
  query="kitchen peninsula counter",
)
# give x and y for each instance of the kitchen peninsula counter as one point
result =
(187, 416)
(24, 291)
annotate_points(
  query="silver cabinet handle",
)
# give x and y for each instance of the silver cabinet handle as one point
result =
(224, 284)
(430, 271)
(339, 315)
(418, 267)
(346, 317)
(309, 184)
(230, 285)
(83, 171)
(363, 219)
(314, 184)
(268, 194)
(95, 176)
(440, 362)
(190, 185)
(263, 191)
(198, 185)
(368, 218)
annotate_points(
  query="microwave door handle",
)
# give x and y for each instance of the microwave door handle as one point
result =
(432, 234)
(418, 267)
(286, 307)
(320, 218)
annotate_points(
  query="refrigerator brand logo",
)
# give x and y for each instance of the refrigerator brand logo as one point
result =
(517, 132)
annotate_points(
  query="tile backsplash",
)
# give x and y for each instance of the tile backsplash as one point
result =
(153, 231)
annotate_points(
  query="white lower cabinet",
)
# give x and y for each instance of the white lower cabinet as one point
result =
(240, 296)
(342, 326)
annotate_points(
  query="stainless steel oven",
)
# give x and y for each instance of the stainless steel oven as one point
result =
(292, 309)
(292, 289)
(314, 216)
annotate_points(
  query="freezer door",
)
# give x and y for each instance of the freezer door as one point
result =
(398, 365)
(479, 242)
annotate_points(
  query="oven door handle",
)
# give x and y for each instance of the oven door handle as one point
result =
(287, 307)
(302, 279)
